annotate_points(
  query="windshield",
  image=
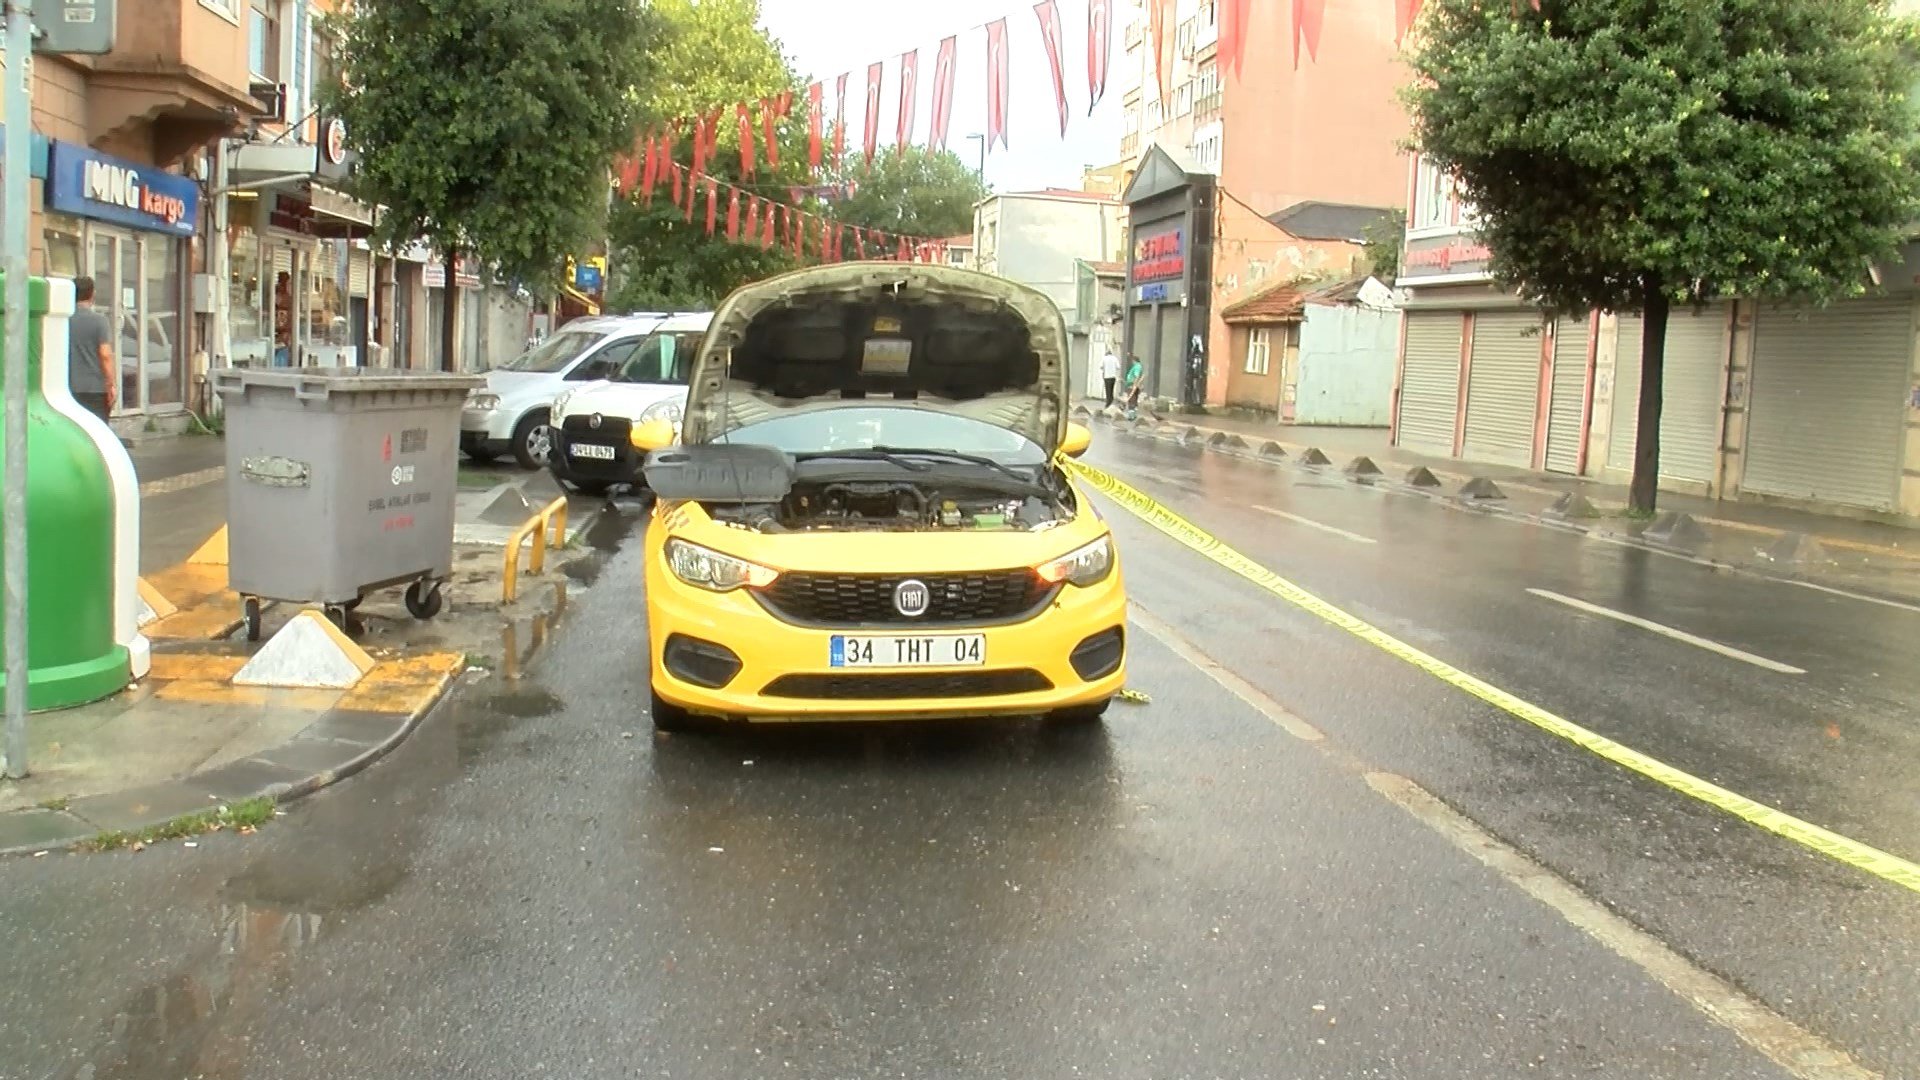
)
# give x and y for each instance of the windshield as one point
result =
(862, 427)
(553, 354)
(665, 359)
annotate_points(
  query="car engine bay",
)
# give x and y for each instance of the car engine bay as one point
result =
(897, 505)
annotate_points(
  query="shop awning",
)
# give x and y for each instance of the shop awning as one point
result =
(580, 298)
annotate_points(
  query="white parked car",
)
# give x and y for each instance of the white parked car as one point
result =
(512, 414)
(591, 421)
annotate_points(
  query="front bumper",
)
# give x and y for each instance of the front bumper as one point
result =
(484, 425)
(623, 468)
(772, 670)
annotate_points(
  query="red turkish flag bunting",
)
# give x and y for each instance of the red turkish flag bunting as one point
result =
(874, 72)
(840, 119)
(1048, 12)
(1099, 49)
(1307, 18)
(773, 109)
(906, 252)
(651, 169)
(909, 93)
(674, 168)
(628, 176)
(1160, 38)
(860, 241)
(816, 116)
(713, 203)
(998, 77)
(942, 94)
(1233, 16)
(744, 118)
(733, 214)
(766, 228)
(1404, 12)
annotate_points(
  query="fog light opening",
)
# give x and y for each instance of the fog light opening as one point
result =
(701, 663)
(1099, 655)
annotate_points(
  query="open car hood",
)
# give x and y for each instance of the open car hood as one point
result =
(932, 336)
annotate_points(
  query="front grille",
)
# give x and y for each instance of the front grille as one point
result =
(914, 684)
(992, 596)
(613, 429)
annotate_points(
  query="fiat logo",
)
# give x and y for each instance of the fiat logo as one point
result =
(594, 421)
(910, 598)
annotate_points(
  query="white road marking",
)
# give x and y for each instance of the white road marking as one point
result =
(1312, 524)
(183, 481)
(1668, 631)
(1798, 1051)
(1855, 596)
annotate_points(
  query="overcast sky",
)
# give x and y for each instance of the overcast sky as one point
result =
(828, 37)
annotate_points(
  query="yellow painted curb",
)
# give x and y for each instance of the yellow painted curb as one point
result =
(160, 605)
(213, 552)
(404, 686)
(310, 652)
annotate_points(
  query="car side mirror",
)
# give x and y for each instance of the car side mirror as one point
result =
(652, 435)
(1079, 437)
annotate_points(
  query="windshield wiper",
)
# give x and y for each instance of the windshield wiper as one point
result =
(914, 458)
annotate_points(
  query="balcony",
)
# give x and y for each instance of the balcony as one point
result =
(1206, 108)
(179, 68)
(1129, 144)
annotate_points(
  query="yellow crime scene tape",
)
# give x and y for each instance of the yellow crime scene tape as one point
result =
(1881, 864)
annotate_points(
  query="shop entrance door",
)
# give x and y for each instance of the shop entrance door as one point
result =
(137, 287)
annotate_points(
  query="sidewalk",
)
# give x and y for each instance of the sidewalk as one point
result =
(1844, 553)
(159, 759)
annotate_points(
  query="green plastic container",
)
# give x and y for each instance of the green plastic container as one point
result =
(72, 655)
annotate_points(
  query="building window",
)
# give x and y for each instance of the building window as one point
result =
(228, 8)
(263, 40)
(1183, 99)
(1432, 199)
(1206, 149)
(1258, 352)
(326, 72)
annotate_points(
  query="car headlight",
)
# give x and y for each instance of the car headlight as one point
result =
(708, 569)
(668, 410)
(483, 402)
(1087, 565)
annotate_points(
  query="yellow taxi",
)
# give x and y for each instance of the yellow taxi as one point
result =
(863, 514)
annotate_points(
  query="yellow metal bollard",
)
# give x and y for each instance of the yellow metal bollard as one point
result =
(554, 516)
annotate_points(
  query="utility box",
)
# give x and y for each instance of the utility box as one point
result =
(340, 481)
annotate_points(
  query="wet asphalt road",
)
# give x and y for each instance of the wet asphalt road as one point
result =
(534, 886)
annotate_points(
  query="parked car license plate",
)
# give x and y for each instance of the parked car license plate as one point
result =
(952, 650)
(604, 453)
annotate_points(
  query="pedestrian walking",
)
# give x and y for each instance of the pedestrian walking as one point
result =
(1136, 374)
(1110, 373)
(90, 374)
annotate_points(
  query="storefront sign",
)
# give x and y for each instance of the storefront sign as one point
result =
(1160, 256)
(87, 183)
(290, 213)
(336, 161)
(74, 26)
(586, 278)
(1152, 294)
(466, 272)
(1454, 256)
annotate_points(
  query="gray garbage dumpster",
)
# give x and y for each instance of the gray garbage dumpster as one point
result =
(340, 481)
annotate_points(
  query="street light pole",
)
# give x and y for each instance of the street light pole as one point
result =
(982, 140)
(14, 208)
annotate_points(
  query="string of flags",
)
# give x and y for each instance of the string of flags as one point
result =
(751, 218)
(656, 158)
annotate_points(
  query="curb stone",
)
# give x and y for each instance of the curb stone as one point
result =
(45, 830)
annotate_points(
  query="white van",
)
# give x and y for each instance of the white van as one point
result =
(512, 414)
(591, 421)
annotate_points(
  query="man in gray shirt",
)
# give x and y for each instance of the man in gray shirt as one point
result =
(90, 374)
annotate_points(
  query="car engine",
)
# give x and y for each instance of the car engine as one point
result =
(895, 505)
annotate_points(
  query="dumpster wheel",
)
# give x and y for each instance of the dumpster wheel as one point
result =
(424, 599)
(250, 617)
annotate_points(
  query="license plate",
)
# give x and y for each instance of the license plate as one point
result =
(604, 453)
(952, 650)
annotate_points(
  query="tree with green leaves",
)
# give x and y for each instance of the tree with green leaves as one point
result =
(921, 192)
(487, 127)
(705, 55)
(1383, 240)
(1629, 155)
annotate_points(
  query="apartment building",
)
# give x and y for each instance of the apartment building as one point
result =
(1218, 162)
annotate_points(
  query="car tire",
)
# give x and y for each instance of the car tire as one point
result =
(1080, 715)
(590, 487)
(669, 717)
(533, 440)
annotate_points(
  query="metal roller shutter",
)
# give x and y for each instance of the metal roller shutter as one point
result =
(360, 273)
(1430, 382)
(1503, 387)
(1171, 359)
(1567, 414)
(1693, 388)
(1828, 388)
(1623, 430)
